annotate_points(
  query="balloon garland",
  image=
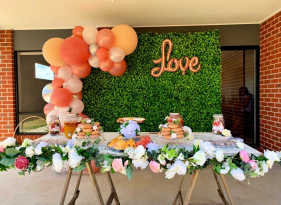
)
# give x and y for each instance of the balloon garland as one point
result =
(72, 58)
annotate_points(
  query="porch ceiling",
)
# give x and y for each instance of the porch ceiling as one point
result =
(58, 14)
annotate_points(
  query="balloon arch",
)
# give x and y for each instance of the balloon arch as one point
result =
(72, 58)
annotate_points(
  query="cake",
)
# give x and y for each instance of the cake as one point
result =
(88, 128)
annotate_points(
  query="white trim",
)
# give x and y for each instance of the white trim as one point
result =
(269, 16)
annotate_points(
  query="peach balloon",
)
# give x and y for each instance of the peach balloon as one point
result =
(81, 71)
(61, 97)
(118, 69)
(102, 54)
(51, 51)
(64, 73)
(77, 106)
(78, 31)
(57, 82)
(74, 85)
(55, 69)
(125, 38)
(75, 51)
(106, 65)
(89, 35)
(105, 38)
(48, 108)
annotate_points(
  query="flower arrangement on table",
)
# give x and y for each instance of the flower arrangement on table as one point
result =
(171, 160)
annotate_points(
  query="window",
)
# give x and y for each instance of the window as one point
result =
(33, 74)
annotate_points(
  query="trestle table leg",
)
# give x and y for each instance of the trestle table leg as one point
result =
(191, 188)
(76, 191)
(226, 189)
(66, 186)
(113, 191)
(220, 190)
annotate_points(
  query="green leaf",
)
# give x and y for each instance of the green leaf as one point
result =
(8, 162)
(11, 152)
(80, 168)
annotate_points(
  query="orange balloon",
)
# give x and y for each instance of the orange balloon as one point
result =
(75, 51)
(55, 69)
(81, 71)
(105, 38)
(48, 108)
(57, 82)
(77, 31)
(51, 51)
(118, 69)
(61, 97)
(125, 38)
(106, 65)
(102, 54)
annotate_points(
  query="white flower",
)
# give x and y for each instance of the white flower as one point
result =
(200, 158)
(10, 141)
(208, 147)
(130, 151)
(88, 121)
(39, 166)
(240, 145)
(226, 133)
(272, 157)
(219, 155)
(180, 157)
(74, 159)
(279, 155)
(238, 174)
(38, 149)
(225, 168)
(178, 167)
(197, 142)
(139, 152)
(264, 168)
(140, 163)
(173, 136)
(95, 128)
(186, 163)
(161, 159)
(57, 162)
(29, 151)
(26, 142)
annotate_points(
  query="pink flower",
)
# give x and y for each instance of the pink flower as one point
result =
(244, 156)
(253, 164)
(2, 149)
(126, 163)
(154, 166)
(117, 165)
(21, 162)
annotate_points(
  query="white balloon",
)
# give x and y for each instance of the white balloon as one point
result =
(74, 85)
(89, 35)
(64, 73)
(93, 49)
(62, 109)
(116, 54)
(50, 115)
(76, 106)
(94, 61)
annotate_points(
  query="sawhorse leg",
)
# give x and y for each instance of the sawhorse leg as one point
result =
(179, 198)
(191, 188)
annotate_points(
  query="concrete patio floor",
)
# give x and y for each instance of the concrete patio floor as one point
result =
(45, 188)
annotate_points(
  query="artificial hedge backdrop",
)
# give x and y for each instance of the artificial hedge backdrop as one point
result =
(197, 96)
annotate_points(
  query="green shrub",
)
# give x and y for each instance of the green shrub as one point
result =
(197, 96)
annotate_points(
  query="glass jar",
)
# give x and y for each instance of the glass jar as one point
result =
(54, 126)
(70, 122)
(175, 118)
(218, 124)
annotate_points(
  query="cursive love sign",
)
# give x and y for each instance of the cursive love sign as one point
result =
(173, 63)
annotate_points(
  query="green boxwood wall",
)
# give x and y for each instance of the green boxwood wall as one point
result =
(197, 96)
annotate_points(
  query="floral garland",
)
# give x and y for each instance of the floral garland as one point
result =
(172, 160)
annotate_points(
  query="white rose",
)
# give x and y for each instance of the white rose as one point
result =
(226, 133)
(74, 159)
(10, 141)
(38, 149)
(264, 168)
(57, 162)
(29, 151)
(130, 151)
(180, 157)
(140, 163)
(139, 152)
(180, 167)
(173, 136)
(238, 174)
(161, 159)
(272, 157)
(170, 173)
(26, 142)
(200, 158)
(219, 155)
(225, 168)
(208, 147)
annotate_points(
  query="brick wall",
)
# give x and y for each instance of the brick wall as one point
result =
(270, 83)
(7, 84)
